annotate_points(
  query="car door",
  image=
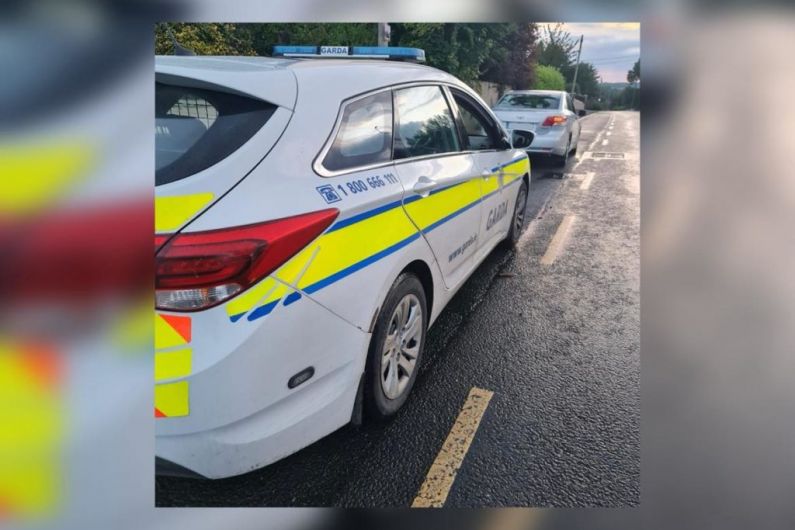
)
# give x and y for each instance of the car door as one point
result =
(492, 155)
(442, 183)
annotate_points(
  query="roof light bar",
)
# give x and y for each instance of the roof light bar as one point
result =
(351, 52)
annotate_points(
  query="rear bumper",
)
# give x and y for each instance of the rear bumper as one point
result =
(550, 141)
(166, 468)
(243, 415)
(265, 437)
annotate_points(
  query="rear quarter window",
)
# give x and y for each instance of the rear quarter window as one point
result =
(196, 128)
(364, 136)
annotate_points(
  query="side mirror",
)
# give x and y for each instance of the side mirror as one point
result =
(522, 139)
(505, 143)
(581, 113)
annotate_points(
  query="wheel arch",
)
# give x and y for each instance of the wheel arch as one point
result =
(420, 268)
(423, 272)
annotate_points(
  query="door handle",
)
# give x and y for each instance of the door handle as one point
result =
(500, 173)
(424, 186)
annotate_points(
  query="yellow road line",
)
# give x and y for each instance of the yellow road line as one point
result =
(433, 492)
(558, 241)
(586, 182)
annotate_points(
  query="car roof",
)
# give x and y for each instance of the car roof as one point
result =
(333, 78)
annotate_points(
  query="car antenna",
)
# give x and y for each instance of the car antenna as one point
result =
(179, 49)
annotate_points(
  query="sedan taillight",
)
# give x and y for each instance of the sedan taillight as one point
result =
(551, 121)
(201, 269)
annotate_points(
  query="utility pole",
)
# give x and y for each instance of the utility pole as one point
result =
(576, 68)
(383, 34)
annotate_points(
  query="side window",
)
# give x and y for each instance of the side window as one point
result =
(425, 123)
(479, 130)
(570, 103)
(365, 134)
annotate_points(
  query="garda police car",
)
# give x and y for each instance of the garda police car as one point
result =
(313, 217)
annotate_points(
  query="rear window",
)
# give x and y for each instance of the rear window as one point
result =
(196, 128)
(365, 134)
(529, 101)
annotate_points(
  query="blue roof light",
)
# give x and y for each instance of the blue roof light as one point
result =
(392, 52)
(352, 52)
(282, 50)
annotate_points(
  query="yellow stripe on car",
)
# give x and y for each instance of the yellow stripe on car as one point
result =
(171, 400)
(166, 335)
(31, 428)
(342, 248)
(171, 212)
(35, 175)
(437, 206)
(339, 250)
(173, 360)
(172, 364)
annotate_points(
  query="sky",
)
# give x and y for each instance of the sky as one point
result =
(612, 47)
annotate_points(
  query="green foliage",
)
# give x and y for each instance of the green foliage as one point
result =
(630, 98)
(512, 56)
(616, 96)
(203, 39)
(259, 39)
(587, 80)
(507, 54)
(559, 50)
(264, 36)
(502, 53)
(549, 78)
(634, 74)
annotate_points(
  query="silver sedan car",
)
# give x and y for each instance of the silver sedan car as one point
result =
(549, 114)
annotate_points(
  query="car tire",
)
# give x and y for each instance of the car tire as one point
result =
(397, 344)
(518, 217)
(562, 160)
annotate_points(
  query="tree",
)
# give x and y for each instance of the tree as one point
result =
(549, 78)
(511, 56)
(259, 39)
(558, 48)
(264, 37)
(634, 74)
(203, 39)
(502, 53)
(587, 81)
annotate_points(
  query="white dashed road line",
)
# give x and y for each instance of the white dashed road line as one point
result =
(558, 240)
(586, 182)
(434, 490)
(604, 142)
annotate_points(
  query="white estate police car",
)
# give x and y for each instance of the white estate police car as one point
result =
(313, 218)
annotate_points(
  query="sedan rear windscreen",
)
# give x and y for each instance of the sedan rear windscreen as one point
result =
(196, 128)
(528, 101)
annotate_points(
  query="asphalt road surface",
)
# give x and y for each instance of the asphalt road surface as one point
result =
(551, 329)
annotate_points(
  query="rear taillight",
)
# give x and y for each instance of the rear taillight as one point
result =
(202, 269)
(551, 121)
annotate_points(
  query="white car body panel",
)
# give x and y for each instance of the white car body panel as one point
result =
(318, 309)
